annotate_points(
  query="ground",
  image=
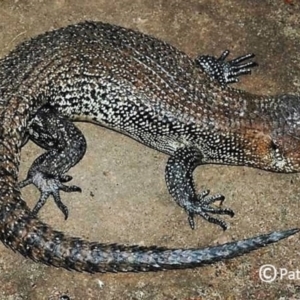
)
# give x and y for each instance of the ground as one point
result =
(124, 196)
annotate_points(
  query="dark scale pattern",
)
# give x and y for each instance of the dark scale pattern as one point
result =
(152, 92)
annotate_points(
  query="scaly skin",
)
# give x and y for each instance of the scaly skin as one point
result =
(148, 90)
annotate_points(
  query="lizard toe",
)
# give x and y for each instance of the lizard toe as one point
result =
(202, 207)
(49, 185)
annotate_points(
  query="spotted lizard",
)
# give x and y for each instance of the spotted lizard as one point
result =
(152, 92)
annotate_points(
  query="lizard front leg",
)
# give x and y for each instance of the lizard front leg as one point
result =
(180, 183)
(65, 145)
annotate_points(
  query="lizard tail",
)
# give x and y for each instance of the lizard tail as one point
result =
(36, 240)
(26, 234)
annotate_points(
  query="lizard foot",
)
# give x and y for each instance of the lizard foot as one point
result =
(202, 207)
(50, 185)
(180, 183)
(226, 71)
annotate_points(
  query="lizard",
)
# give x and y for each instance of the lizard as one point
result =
(149, 90)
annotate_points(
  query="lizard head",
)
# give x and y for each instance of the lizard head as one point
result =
(286, 132)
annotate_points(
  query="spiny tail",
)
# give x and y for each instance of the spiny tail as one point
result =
(26, 234)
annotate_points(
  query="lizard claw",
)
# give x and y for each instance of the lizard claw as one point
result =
(180, 183)
(226, 71)
(49, 185)
(202, 207)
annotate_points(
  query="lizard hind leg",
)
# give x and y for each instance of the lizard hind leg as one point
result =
(180, 183)
(65, 145)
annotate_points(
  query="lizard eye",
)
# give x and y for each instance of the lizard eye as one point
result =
(273, 146)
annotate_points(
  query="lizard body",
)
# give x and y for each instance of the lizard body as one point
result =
(144, 88)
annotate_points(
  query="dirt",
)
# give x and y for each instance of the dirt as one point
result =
(124, 196)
